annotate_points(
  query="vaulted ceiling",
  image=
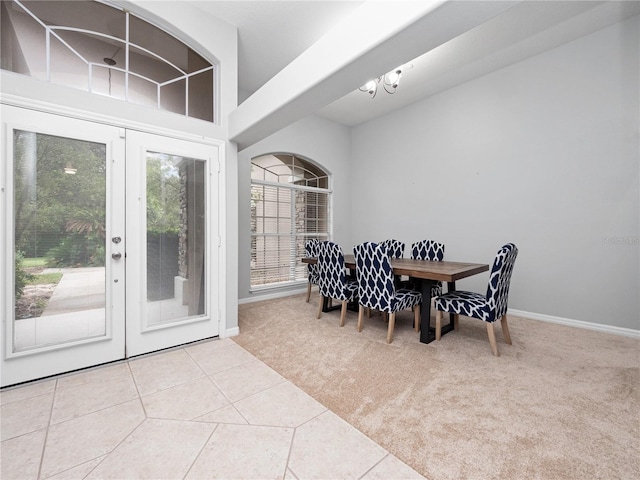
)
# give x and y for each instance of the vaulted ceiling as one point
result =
(271, 34)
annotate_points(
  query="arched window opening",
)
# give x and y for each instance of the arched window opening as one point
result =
(108, 51)
(290, 203)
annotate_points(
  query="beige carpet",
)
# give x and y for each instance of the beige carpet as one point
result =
(560, 403)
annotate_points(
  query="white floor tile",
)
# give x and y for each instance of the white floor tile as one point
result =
(246, 380)
(210, 411)
(165, 370)
(244, 451)
(224, 415)
(94, 375)
(185, 401)
(80, 472)
(82, 439)
(157, 449)
(214, 357)
(104, 389)
(16, 394)
(391, 467)
(328, 447)
(283, 405)
(25, 416)
(21, 456)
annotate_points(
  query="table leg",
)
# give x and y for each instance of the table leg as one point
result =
(325, 304)
(428, 333)
(353, 306)
(451, 287)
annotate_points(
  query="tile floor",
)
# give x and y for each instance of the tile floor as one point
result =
(208, 410)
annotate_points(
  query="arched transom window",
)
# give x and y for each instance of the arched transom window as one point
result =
(290, 203)
(105, 50)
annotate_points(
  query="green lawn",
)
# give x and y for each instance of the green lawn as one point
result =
(41, 278)
(36, 265)
(34, 262)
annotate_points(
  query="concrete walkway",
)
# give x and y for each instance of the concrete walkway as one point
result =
(74, 311)
(79, 289)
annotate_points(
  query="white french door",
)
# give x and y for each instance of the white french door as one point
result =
(172, 207)
(63, 204)
(106, 243)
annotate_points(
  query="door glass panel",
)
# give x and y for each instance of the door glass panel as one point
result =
(176, 231)
(59, 255)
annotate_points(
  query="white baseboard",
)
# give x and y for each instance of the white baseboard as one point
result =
(230, 332)
(272, 295)
(627, 332)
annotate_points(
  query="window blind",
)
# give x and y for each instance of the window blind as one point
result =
(283, 217)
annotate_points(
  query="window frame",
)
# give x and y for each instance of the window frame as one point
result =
(297, 272)
(53, 33)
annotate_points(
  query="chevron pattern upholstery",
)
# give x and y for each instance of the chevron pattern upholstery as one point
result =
(395, 248)
(489, 307)
(311, 251)
(376, 288)
(333, 280)
(427, 250)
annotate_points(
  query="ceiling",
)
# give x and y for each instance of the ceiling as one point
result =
(271, 34)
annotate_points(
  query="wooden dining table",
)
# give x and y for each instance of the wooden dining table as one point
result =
(426, 272)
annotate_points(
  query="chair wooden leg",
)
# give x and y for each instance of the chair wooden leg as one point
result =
(343, 313)
(492, 339)
(308, 291)
(456, 322)
(438, 324)
(320, 300)
(416, 318)
(360, 318)
(392, 322)
(505, 329)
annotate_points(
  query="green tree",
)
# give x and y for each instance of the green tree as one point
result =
(52, 206)
(22, 277)
(163, 194)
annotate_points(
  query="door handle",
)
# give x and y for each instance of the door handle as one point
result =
(116, 256)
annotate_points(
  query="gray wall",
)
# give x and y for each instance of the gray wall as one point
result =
(544, 153)
(316, 139)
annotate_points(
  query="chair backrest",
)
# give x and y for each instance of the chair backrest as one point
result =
(427, 250)
(332, 278)
(499, 280)
(311, 251)
(395, 248)
(375, 276)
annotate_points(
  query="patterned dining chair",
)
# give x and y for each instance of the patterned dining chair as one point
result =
(333, 279)
(489, 307)
(376, 287)
(427, 250)
(311, 251)
(395, 249)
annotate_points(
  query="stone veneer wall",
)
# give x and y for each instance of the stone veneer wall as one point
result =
(183, 268)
